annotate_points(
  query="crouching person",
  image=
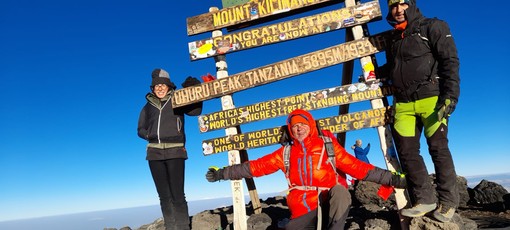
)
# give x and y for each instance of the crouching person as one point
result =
(317, 197)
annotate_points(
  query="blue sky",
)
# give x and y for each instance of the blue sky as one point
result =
(74, 75)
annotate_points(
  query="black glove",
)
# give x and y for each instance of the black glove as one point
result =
(361, 79)
(445, 108)
(214, 174)
(190, 81)
(382, 176)
(398, 180)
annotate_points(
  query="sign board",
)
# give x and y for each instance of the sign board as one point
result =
(280, 70)
(271, 136)
(249, 11)
(284, 31)
(319, 99)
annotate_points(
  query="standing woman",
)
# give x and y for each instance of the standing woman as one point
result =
(163, 127)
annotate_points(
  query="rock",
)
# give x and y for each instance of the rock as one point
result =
(368, 211)
(123, 228)
(365, 193)
(158, 224)
(488, 192)
(377, 224)
(429, 223)
(219, 218)
(463, 191)
(506, 199)
(259, 221)
(489, 195)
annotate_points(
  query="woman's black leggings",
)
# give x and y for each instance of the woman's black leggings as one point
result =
(168, 177)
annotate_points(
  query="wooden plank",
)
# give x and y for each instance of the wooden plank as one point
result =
(285, 31)
(247, 12)
(271, 136)
(278, 16)
(284, 69)
(318, 99)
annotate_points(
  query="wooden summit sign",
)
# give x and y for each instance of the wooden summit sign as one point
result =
(284, 31)
(271, 136)
(319, 99)
(280, 70)
(249, 11)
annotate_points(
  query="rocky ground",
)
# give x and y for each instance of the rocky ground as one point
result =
(487, 219)
(487, 206)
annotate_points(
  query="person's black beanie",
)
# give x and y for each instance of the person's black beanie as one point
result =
(160, 76)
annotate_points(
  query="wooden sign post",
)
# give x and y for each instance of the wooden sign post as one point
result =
(357, 46)
(234, 156)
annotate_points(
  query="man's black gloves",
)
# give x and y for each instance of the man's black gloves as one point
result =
(190, 81)
(445, 108)
(214, 174)
(382, 176)
(398, 180)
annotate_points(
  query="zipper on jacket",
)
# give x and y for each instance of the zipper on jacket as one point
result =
(301, 166)
(305, 171)
(159, 119)
(400, 67)
(179, 124)
(310, 164)
(300, 171)
(159, 124)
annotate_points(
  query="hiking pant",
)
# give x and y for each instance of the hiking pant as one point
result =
(334, 212)
(168, 176)
(411, 118)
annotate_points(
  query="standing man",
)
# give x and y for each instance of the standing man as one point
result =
(163, 127)
(360, 152)
(423, 66)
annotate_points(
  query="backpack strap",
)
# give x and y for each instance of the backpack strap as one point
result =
(328, 145)
(286, 161)
(418, 31)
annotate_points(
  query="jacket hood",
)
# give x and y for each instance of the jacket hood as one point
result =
(412, 14)
(311, 123)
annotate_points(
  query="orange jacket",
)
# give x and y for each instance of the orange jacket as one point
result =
(304, 170)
